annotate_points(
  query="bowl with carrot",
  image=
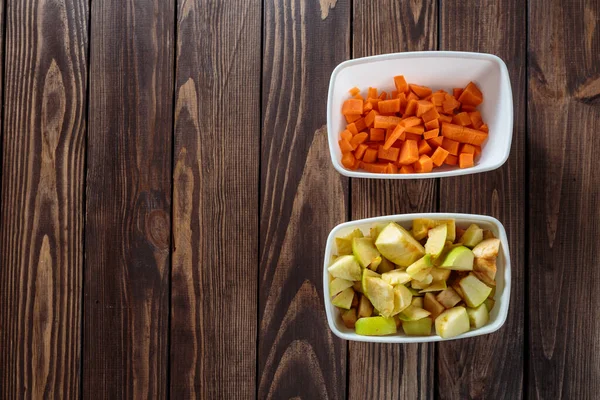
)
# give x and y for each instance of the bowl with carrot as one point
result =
(419, 115)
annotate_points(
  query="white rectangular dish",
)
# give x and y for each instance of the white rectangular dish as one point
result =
(502, 297)
(437, 70)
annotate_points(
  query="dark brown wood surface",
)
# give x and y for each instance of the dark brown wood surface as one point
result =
(41, 239)
(162, 228)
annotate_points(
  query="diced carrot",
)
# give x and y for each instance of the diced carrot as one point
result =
(401, 85)
(423, 164)
(390, 154)
(370, 118)
(476, 119)
(354, 91)
(451, 160)
(421, 91)
(389, 106)
(462, 119)
(465, 160)
(374, 101)
(477, 150)
(409, 152)
(391, 169)
(372, 92)
(383, 96)
(352, 117)
(403, 102)
(411, 108)
(376, 135)
(437, 98)
(424, 147)
(412, 96)
(360, 124)
(367, 107)
(457, 92)
(467, 148)
(439, 156)
(463, 134)
(468, 108)
(374, 167)
(451, 146)
(419, 129)
(352, 106)
(358, 139)
(346, 134)
(431, 134)
(423, 106)
(471, 95)
(394, 136)
(360, 151)
(407, 169)
(430, 115)
(435, 142)
(445, 118)
(358, 97)
(484, 128)
(383, 121)
(411, 121)
(450, 104)
(352, 128)
(413, 136)
(433, 124)
(348, 160)
(370, 155)
(345, 146)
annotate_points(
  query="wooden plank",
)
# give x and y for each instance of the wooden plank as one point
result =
(41, 237)
(215, 200)
(564, 88)
(395, 371)
(480, 367)
(126, 286)
(302, 198)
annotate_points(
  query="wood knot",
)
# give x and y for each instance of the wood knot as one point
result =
(589, 92)
(158, 228)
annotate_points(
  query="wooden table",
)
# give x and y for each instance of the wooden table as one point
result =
(167, 192)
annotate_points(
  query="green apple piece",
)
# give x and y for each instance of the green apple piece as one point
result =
(459, 259)
(420, 327)
(413, 313)
(420, 268)
(488, 248)
(397, 245)
(421, 226)
(345, 267)
(344, 299)
(415, 292)
(435, 286)
(423, 283)
(474, 290)
(396, 277)
(487, 234)
(333, 258)
(492, 293)
(357, 286)
(349, 318)
(402, 298)
(432, 305)
(385, 266)
(375, 326)
(440, 274)
(365, 252)
(367, 273)
(436, 241)
(489, 303)
(337, 285)
(479, 316)
(452, 322)
(344, 243)
(417, 302)
(472, 236)
(365, 308)
(375, 230)
(448, 298)
(381, 295)
(485, 270)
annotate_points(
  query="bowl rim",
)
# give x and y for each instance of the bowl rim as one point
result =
(505, 77)
(485, 330)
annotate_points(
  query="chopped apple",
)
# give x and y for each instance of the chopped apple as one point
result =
(487, 234)
(374, 232)
(420, 268)
(452, 322)
(367, 273)
(337, 285)
(435, 287)
(402, 298)
(474, 290)
(485, 269)
(432, 305)
(412, 313)
(365, 252)
(489, 303)
(415, 292)
(488, 248)
(440, 274)
(345, 267)
(344, 243)
(397, 321)
(397, 245)
(357, 286)
(455, 285)
(385, 266)
(396, 277)
(344, 299)
(472, 236)
(375, 326)
(448, 298)
(436, 241)
(355, 300)
(365, 308)
(459, 259)
(417, 302)
(420, 327)
(423, 283)
(349, 318)
(479, 316)
(381, 295)
(422, 225)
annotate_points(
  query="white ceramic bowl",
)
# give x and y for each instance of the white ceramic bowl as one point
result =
(438, 70)
(502, 296)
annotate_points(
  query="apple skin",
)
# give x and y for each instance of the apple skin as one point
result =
(452, 322)
(421, 327)
(375, 326)
(459, 259)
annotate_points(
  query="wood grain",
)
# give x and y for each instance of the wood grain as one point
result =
(41, 222)
(302, 198)
(395, 371)
(490, 366)
(215, 200)
(564, 220)
(127, 235)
